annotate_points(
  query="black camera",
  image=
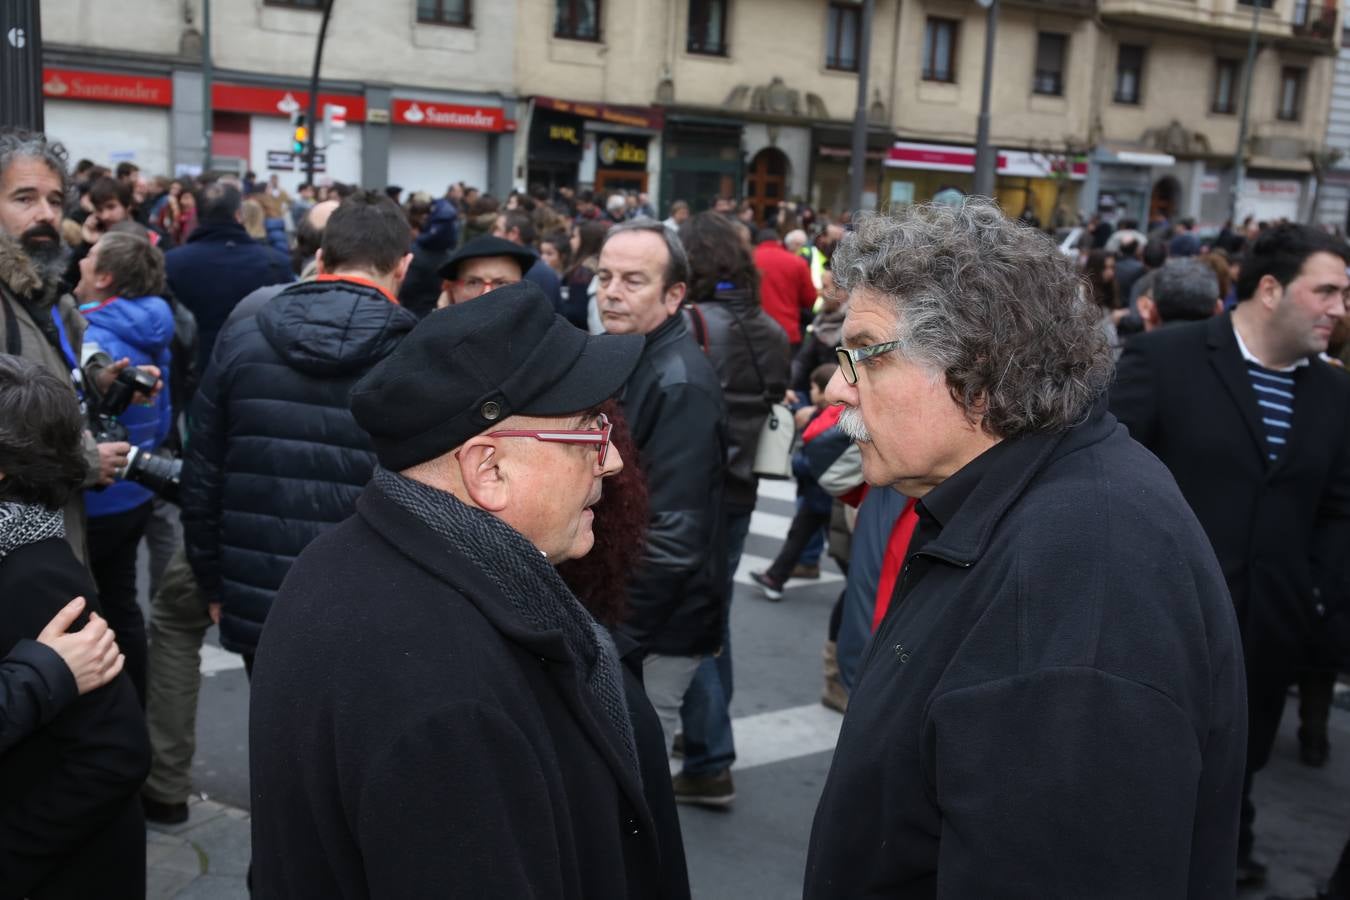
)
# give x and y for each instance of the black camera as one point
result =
(161, 473)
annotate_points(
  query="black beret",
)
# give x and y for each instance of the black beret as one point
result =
(465, 368)
(484, 246)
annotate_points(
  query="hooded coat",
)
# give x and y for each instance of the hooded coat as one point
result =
(274, 456)
(27, 300)
(140, 329)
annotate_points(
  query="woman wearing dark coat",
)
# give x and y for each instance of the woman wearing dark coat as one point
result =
(600, 581)
(70, 817)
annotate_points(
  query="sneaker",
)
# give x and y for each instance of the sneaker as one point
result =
(772, 589)
(164, 813)
(705, 790)
(810, 573)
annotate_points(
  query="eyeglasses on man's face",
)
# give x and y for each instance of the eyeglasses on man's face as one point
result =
(476, 286)
(847, 358)
(597, 436)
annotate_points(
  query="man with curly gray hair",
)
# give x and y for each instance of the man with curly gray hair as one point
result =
(1053, 705)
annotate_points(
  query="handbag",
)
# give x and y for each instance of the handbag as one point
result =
(773, 451)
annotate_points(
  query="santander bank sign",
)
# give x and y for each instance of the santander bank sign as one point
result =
(425, 114)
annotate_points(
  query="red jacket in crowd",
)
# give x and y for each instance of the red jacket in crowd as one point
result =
(785, 287)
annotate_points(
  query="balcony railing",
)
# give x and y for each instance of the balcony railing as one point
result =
(1315, 19)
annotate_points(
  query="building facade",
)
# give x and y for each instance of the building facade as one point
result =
(424, 88)
(1130, 108)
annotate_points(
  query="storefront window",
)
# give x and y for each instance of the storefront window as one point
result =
(707, 27)
(1049, 78)
(443, 12)
(577, 19)
(939, 50)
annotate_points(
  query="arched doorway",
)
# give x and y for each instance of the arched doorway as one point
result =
(766, 182)
(1164, 204)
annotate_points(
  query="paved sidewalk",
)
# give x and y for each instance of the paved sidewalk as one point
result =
(205, 858)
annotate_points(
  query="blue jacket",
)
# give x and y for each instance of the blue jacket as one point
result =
(140, 328)
(441, 231)
(276, 235)
(217, 267)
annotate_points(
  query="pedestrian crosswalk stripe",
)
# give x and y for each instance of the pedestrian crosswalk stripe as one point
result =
(778, 490)
(214, 660)
(770, 525)
(751, 563)
(778, 736)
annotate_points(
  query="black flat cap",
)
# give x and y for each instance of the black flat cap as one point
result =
(465, 368)
(487, 245)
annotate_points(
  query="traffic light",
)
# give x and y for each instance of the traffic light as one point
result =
(299, 134)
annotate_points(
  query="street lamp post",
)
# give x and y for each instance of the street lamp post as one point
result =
(208, 124)
(860, 114)
(311, 119)
(21, 64)
(984, 154)
(1239, 156)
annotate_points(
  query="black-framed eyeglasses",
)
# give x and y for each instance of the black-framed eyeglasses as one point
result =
(598, 436)
(848, 357)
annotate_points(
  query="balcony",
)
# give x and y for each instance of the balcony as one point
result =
(1310, 25)
(1067, 7)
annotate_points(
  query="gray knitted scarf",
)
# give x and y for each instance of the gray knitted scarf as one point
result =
(27, 523)
(534, 588)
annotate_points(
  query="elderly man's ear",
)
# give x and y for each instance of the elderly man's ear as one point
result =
(481, 473)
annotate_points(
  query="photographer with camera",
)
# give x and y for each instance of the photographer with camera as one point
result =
(37, 321)
(120, 282)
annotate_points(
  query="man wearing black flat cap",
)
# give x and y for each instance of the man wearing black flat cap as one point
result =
(433, 713)
(482, 265)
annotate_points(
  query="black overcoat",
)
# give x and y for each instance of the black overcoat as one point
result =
(410, 736)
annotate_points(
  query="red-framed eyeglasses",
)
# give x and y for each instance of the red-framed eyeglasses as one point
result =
(598, 436)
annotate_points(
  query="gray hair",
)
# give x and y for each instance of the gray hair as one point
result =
(677, 267)
(1185, 290)
(20, 143)
(988, 304)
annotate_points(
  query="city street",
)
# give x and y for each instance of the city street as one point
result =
(757, 849)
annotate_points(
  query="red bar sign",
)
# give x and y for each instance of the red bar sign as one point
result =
(102, 87)
(427, 114)
(280, 101)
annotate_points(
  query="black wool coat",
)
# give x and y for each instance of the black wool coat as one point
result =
(71, 825)
(274, 457)
(1054, 703)
(411, 737)
(1281, 531)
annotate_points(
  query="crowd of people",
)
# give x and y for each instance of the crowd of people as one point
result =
(466, 484)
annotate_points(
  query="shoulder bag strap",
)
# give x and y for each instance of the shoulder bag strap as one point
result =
(13, 340)
(754, 359)
(699, 325)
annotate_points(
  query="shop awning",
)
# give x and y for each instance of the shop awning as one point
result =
(1144, 158)
(958, 158)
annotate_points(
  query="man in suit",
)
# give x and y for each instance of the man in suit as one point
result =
(1256, 430)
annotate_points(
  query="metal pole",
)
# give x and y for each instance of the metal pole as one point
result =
(1239, 156)
(21, 64)
(208, 122)
(859, 173)
(984, 154)
(310, 122)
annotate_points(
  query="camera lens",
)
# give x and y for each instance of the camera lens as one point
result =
(160, 474)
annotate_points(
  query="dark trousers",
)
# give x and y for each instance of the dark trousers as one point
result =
(1316, 689)
(805, 524)
(112, 560)
(1265, 707)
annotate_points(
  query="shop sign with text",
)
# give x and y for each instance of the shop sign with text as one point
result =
(426, 114)
(102, 87)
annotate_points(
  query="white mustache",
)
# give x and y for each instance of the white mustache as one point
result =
(851, 423)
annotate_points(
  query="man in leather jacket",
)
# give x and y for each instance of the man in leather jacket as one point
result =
(674, 406)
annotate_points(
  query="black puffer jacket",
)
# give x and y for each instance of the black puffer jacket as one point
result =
(744, 344)
(673, 404)
(274, 457)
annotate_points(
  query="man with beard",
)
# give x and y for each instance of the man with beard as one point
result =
(37, 321)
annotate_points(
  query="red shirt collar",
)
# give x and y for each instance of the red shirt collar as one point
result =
(356, 279)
